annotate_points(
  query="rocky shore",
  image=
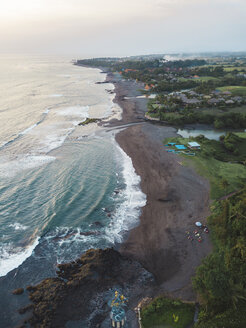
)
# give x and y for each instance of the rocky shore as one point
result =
(83, 288)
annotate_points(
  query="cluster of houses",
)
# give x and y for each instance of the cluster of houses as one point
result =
(171, 75)
(192, 99)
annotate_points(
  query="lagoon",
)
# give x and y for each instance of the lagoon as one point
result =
(208, 133)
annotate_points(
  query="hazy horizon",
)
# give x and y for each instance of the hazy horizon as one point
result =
(121, 28)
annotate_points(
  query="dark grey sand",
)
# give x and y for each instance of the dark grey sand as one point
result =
(177, 197)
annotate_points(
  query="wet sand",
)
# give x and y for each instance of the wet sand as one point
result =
(176, 198)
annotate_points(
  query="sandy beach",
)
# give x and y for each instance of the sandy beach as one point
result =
(176, 198)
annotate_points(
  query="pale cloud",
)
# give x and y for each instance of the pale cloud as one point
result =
(121, 26)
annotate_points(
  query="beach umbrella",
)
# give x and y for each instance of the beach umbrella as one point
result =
(198, 224)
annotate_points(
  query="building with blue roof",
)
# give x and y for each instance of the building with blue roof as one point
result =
(180, 147)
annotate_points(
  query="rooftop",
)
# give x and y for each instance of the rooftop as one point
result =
(193, 144)
(180, 146)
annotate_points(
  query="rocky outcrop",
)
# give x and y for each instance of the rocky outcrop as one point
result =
(18, 291)
(70, 295)
(89, 120)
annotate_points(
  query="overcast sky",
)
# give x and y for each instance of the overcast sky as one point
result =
(121, 27)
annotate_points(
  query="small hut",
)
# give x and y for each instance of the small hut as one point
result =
(194, 145)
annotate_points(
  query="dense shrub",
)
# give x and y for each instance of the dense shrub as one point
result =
(221, 279)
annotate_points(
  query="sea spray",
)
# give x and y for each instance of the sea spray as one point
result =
(10, 260)
(128, 211)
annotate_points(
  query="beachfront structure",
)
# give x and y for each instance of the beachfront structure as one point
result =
(118, 320)
(180, 147)
(194, 145)
(117, 314)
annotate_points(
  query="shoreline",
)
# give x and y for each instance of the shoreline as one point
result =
(176, 198)
(157, 247)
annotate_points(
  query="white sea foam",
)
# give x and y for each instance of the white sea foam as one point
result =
(55, 96)
(128, 212)
(9, 168)
(4, 143)
(28, 129)
(10, 260)
(18, 226)
(54, 140)
(68, 244)
(79, 111)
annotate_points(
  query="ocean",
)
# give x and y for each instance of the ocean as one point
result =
(64, 188)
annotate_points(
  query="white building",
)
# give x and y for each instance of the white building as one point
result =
(194, 145)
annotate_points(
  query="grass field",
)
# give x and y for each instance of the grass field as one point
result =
(235, 90)
(216, 111)
(206, 78)
(241, 134)
(230, 69)
(163, 312)
(213, 169)
(201, 78)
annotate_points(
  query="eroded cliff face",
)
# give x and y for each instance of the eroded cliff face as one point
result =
(81, 288)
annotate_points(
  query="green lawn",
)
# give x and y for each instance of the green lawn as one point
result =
(241, 134)
(230, 69)
(163, 312)
(215, 171)
(217, 111)
(216, 164)
(235, 90)
(206, 78)
(201, 78)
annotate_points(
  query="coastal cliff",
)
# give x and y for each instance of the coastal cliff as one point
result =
(71, 296)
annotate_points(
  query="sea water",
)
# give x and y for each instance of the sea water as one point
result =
(64, 188)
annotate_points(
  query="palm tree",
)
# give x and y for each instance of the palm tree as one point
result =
(238, 293)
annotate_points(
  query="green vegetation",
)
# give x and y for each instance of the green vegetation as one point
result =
(182, 105)
(218, 161)
(170, 313)
(235, 90)
(221, 279)
(241, 134)
(229, 318)
(234, 68)
(206, 78)
(231, 119)
(89, 120)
